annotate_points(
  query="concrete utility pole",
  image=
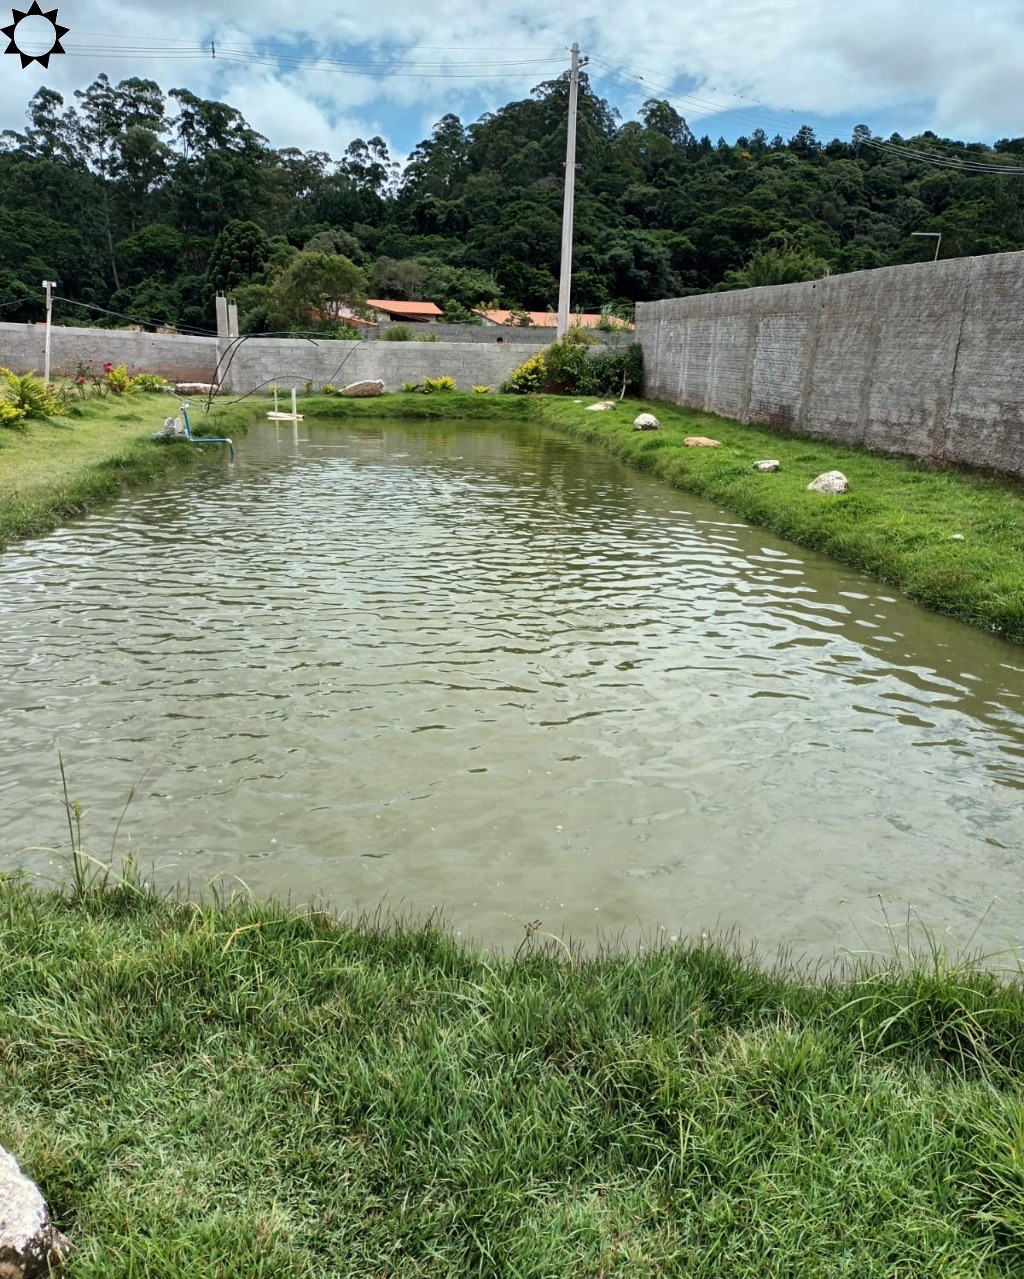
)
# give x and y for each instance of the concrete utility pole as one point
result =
(565, 274)
(47, 285)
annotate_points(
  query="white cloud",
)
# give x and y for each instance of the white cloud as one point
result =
(922, 63)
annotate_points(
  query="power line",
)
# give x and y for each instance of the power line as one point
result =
(325, 62)
(132, 319)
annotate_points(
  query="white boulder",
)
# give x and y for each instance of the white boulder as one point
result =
(195, 388)
(769, 464)
(360, 390)
(646, 422)
(30, 1246)
(600, 406)
(830, 482)
(701, 442)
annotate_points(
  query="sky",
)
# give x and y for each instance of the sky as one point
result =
(317, 74)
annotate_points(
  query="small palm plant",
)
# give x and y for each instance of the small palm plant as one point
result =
(27, 394)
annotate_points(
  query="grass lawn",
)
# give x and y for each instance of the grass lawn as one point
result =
(55, 469)
(238, 1090)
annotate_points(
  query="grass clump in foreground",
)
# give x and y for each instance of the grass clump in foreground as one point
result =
(242, 1090)
(61, 467)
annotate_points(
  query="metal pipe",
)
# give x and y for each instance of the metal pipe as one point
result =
(205, 439)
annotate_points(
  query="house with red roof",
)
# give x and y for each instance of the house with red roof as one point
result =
(406, 312)
(549, 320)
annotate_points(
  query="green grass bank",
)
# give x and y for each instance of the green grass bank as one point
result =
(242, 1090)
(58, 468)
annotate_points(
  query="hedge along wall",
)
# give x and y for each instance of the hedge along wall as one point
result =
(925, 360)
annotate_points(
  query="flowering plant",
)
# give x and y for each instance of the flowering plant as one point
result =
(89, 378)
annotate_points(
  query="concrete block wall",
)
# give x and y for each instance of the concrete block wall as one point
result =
(174, 356)
(257, 361)
(508, 333)
(289, 361)
(925, 360)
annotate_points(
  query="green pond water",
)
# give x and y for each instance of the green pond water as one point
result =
(487, 671)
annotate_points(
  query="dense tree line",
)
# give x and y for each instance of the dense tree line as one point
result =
(146, 204)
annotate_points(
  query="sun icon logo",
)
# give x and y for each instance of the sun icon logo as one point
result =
(34, 12)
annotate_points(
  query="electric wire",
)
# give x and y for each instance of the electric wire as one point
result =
(188, 329)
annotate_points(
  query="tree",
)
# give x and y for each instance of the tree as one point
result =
(369, 167)
(440, 162)
(399, 278)
(241, 252)
(317, 287)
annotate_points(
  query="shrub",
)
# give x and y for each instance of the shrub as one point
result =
(88, 376)
(616, 372)
(529, 377)
(395, 333)
(118, 381)
(26, 393)
(481, 390)
(330, 389)
(431, 384)
(410, 386)
(568, 363)
(427, 337)
(11, 415)
(572, 370)
(149, 383)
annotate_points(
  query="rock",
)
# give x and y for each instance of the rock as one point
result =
(30, 1246)
(602, 404)
(360, 390)
(769, 464)
(830, 482)
(646, 422)
(195, 388)
(172, 430)
(701, 442)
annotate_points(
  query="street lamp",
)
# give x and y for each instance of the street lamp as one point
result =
(937, 235)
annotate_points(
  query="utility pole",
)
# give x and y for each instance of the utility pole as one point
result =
(565, 274)
(47, 285)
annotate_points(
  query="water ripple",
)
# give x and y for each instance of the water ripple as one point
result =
(487, 669)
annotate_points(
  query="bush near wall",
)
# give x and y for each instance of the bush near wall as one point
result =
(573, 370)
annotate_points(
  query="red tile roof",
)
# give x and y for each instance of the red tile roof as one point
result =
(410, 310)
(549, 320)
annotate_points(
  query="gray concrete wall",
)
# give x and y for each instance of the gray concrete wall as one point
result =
(509, 333)
(174, 356)
(925, 360)
(258, 361)
(290, 361)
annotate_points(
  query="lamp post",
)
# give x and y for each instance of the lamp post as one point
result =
(937, 235)
(47, 285)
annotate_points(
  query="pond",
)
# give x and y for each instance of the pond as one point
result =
(488, 671)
